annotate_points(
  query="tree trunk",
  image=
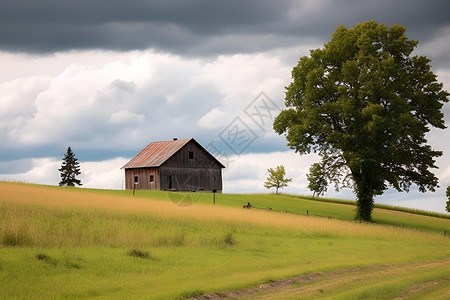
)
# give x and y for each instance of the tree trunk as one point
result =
(364, 202)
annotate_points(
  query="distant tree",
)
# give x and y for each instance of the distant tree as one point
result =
(317, 180)
(277, 178)
(69, 170)
(365, 105)
(448, 197)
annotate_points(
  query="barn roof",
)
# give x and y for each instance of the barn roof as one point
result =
(156, 153)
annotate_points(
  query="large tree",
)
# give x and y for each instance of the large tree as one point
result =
(365, 105)
(70, 168)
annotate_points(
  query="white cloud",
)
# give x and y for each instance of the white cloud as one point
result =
(103, 174)
(215, 118)
(151, 94)
(124, 116)
(240, 78)
(25, 66)
(42, 171)
(247, 172)
(66, 108)
(17, 98)
(116, 101)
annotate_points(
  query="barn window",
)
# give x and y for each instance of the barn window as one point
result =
(191, 155)
(136, 179)
(152, 178)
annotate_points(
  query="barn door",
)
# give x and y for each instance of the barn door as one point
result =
(170, 181)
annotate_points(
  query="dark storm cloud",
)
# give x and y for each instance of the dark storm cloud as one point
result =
(176, 26)
(199, 28)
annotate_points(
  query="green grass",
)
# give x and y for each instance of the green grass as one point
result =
(65, 243)
(427, 280)
(334, 208)
(281, 202)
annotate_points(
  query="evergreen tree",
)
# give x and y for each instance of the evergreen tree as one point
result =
(69, 169)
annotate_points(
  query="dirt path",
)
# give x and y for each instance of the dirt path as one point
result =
(339, 282)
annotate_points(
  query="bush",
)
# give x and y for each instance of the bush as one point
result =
(139, 253)
(11, 239)
(66, 263)
(229, 239)
(47, 259)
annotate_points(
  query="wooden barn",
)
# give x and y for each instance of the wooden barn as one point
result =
(177, 165)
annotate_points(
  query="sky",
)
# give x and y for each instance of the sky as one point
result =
(107, 77)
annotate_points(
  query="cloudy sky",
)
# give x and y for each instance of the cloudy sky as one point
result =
(107, 77)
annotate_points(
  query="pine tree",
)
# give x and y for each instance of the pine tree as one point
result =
(69, 169)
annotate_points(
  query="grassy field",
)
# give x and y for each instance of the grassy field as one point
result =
(66, 243)
(334, 208)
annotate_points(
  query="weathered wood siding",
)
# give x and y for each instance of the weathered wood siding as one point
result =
(143, 177)
(191, 169)
(201, 158)
(191, 179)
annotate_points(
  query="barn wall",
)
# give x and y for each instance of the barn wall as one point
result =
(143, 175)
(201, 159)
(191, 179)
(197, 171)
(191, 168)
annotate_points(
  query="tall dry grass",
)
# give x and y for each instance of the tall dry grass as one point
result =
(42, 216)
(75, 243)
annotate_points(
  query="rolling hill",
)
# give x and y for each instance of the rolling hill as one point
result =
(78, 243)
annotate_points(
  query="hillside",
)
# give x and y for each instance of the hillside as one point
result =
(77, 243)
(333, 208)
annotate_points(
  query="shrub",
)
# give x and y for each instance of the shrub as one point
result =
(11, 239)
(66, 263)
(47, 259)
(229, 240)
(139, 253)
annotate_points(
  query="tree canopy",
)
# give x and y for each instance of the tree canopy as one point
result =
(317, 179)
(365, 105)
(277, 178)
(70, 168)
